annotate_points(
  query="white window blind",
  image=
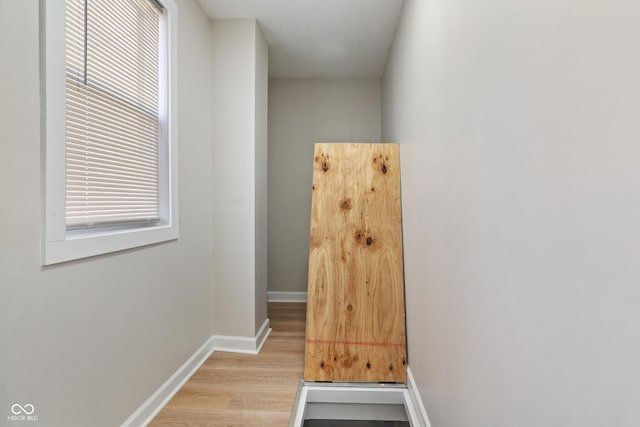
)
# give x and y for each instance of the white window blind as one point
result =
(112, 112)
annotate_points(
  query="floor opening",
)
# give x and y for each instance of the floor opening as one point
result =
(352, 405)
(354, 423)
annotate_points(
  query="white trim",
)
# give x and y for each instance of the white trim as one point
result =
(261, 336)
(417, 402)
(58, 245)
(281, 296)
(150, 407)
(154, 404)
(392, 394)
(246, 345)
(358, 393)
(299, 405)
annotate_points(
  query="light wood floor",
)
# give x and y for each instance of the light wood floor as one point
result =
(243, 390)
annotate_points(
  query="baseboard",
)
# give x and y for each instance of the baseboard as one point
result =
(150, 408)
(246, 345)
(416, 399)
(281, 296)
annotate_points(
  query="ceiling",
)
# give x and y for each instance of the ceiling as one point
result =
(324, 39)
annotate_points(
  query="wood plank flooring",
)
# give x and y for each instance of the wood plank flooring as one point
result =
(242, 390)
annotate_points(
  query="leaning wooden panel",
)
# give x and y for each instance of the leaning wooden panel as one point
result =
(355, 310)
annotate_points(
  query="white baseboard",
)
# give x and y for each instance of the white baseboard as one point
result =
(416, 399)
(242, 344)
(150, 408)
(281, 296)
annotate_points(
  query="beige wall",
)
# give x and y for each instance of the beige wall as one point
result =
(86, 342)
(238, 162)
(518, 124)
(261, 96)
(302, 112)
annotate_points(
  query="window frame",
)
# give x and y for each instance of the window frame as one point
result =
(59, 244)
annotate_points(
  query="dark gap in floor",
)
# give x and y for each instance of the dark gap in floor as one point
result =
(354, 423)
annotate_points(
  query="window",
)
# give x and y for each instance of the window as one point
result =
(109, 131)
(112, 112)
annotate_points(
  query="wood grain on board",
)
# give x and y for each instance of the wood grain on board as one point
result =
(355, 309)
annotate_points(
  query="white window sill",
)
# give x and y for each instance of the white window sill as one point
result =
(99, 243)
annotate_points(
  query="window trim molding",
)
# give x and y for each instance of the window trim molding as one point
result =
(58, 245)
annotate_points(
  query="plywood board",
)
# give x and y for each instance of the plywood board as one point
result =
(355, 308)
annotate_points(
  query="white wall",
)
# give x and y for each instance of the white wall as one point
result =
(302, 112)
(87, 342)
(237, 164)
(518, 124)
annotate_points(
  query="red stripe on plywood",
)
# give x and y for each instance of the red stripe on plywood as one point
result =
(379, 344)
